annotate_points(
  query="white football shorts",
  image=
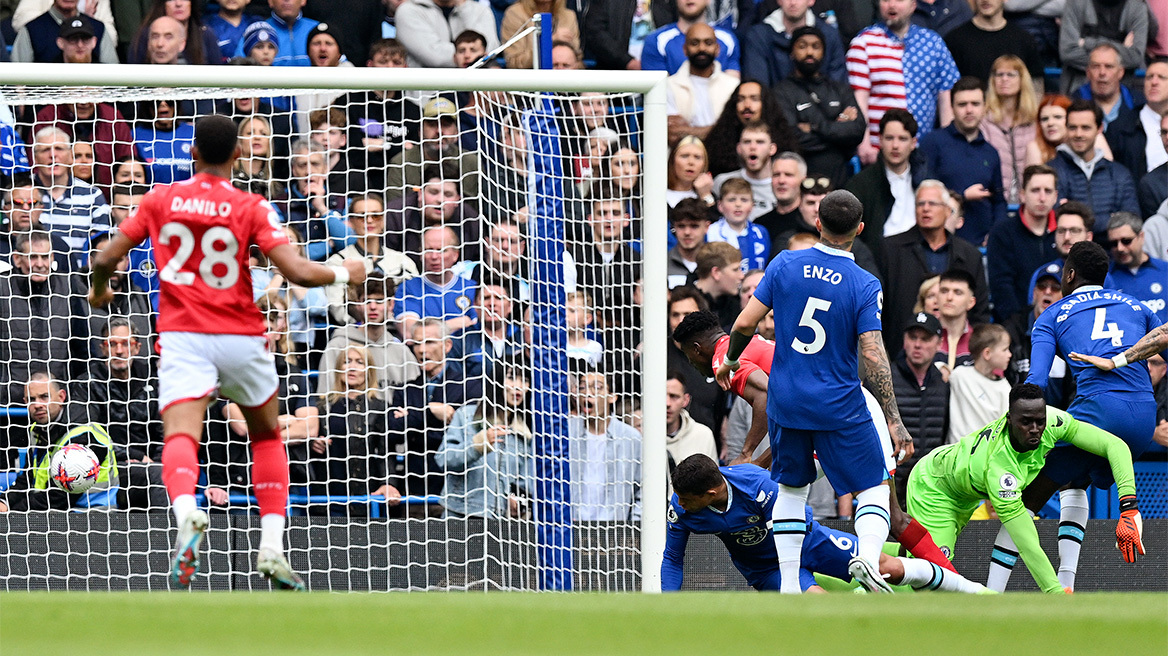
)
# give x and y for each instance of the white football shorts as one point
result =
(195, 365)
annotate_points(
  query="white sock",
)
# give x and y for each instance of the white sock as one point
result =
(871, 523)
(1002, 561)
(789, 524)
(272, 533)
(1072, 523)
(183, 505)
(923, 575)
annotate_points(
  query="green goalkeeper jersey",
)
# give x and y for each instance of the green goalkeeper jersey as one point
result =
(985, 465)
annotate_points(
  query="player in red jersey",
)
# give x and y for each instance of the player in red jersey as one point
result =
(701, 338)
(211, 334)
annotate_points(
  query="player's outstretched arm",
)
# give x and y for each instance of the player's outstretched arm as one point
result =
(104, 265)
(756, 395)
(1151, 344)
(878, 380)
(673, 562)
(744, 328)
(304, 272)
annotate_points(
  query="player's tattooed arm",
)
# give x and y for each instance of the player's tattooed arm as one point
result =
(877, 375)
(1151, 344)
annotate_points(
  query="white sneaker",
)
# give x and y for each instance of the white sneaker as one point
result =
(275, 568)
(185, 562)
(863, 573)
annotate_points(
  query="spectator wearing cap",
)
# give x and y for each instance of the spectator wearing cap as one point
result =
(439, 146)
(324, 50)
(1018, 246)
(922, 395)
(291, 28)
(830, 124)
(77, 41)
(766, 50)
(427, 29)
(201, 46)
(1133, 271)
(230, 24)
(37, 40)
(260, 42)
(357, 21)
(697, 92)
(1045, 290)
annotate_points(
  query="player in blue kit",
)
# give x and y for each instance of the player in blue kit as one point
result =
(823, 305)
(737, 504)
(1098, 322)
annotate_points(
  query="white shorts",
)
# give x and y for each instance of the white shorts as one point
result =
(195, 365)
(881, 429)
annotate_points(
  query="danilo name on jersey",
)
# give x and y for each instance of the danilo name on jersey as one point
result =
(199, 206)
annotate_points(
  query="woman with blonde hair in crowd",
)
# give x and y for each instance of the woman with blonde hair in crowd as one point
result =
(1010, 120)
(688, 175)
(564, 28)
(929, 297)
(353, 459)
(1052, 131)
(253, 169)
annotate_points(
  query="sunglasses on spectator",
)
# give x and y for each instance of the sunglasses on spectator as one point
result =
(22, 204)
(1126, 241)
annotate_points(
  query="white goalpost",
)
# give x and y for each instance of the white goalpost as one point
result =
(487, 413)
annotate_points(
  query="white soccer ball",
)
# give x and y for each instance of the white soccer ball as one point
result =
(74, 468)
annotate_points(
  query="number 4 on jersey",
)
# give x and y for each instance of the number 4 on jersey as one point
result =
(1104, 330)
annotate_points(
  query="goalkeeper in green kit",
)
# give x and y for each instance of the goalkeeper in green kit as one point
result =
(998, 462)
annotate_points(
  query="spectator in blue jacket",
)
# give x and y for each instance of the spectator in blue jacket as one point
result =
(1021, 244)
(292, 30)
(766, 53)
(487, 452)
(959, 156)
(1084, 174)
(483, 345)
(665, 47)
(229, 24)
(1133, 271)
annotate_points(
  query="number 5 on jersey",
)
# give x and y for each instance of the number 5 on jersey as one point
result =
(225, 255)
(808, 320)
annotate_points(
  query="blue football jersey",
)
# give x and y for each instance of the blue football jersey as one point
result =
(822, 302)
(167, 154)
(419, 298)
(1092, 321)
(1148, 284)
(745, 528)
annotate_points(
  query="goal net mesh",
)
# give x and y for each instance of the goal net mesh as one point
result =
(467, 419)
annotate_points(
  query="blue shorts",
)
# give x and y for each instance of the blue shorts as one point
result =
(1130, 417)
(852, 457)
(825, 551)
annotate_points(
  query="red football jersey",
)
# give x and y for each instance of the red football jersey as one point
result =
(202, 230)
(758, 355)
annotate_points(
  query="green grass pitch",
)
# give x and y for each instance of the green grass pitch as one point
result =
(263, 624)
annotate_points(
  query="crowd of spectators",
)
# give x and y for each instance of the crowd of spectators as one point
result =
(976, 168)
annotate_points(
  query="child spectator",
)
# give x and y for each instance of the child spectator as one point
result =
(980, 394)
(259, 43)
(230, 24)
(469, 47)
(578, 315)
(736, 228)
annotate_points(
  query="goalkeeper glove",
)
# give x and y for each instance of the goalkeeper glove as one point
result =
(1129, 528)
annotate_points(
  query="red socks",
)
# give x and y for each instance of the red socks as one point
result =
(269, 473)
(180, 465)
(919, 543)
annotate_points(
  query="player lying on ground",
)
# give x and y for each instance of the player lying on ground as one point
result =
(737, 504)
(701, 338)
(211, 334)
(999, 462)
(1102, 323)
(827, 315)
